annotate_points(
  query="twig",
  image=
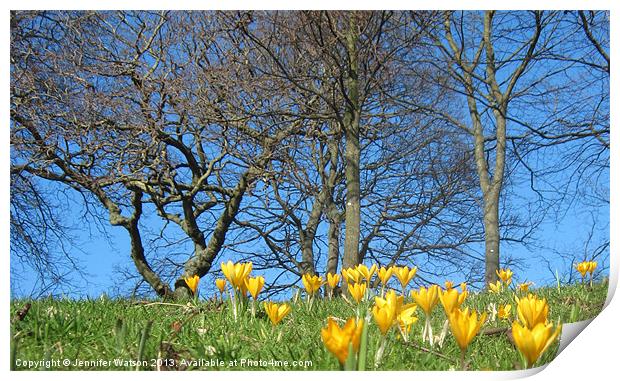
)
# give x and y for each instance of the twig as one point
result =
(499, 331)
(146, 304)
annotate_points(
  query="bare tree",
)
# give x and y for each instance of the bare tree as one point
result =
(108, 78)
(401, 181)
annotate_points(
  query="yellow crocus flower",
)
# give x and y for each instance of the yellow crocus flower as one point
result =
(451, 299)
(276, 312)
(312, 283)
(592, 266)
(385, 274)
(236, 273)
(351, 275)
(357, 291)
(389, 309)
(366, 272)
(404, 275)
(392, 300)
(332, 280)
(465, 326)
(532, 343)
(337, 339)
(426, 298)
(505, 275)
(255, 285)
(524, 287)
(463, 286)
(384, 317)
(496, 287)
(448, 285)
(406, 318)
(532, 311)
(192, 282)
(221, 284)
(583, 268)
(504, 311)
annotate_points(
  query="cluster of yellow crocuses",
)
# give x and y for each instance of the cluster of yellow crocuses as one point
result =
(238, 276)
(359, 278)
(504, 281)
(531, 331)
(533, 334)
(391, 311)
(586, 267)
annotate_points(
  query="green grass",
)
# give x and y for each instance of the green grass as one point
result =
(90, 330)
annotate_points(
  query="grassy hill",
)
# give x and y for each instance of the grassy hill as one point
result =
(102, 334)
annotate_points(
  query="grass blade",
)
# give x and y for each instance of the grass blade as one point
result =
(145, 334)
(361, 364)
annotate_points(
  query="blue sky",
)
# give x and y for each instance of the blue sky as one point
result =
(101, 255)
(564, 233)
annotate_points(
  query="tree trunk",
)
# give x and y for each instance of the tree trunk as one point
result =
(491, 237)
(307, 235)
(144, 269)
(333, 246)
(137, 250)
(491, 201)
(307, 256)
(490, 186)
(352, 154)
(203, 259)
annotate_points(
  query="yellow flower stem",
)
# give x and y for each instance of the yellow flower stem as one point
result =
(463, 359)
(246, 302)
(253, 308)
(233, 303)
(380, 351)
(403, 333)
(241, 302)
(428, 330)
(525, 364)
(382, 290)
